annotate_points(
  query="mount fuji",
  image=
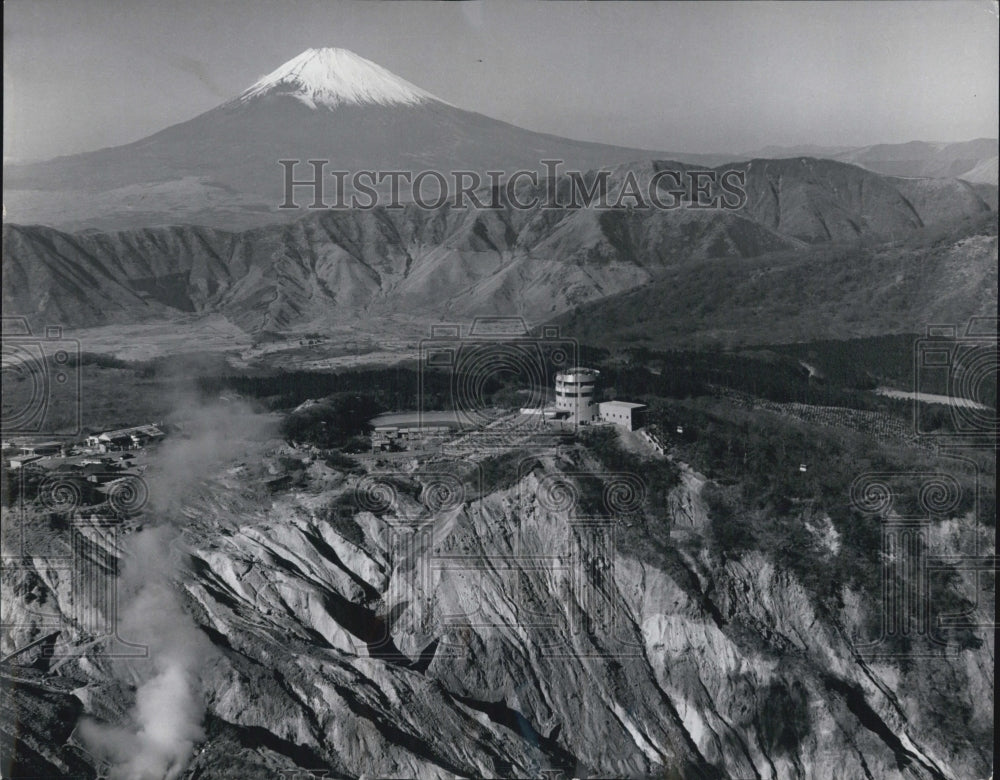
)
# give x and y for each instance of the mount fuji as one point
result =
(221, 168)
(333, 77)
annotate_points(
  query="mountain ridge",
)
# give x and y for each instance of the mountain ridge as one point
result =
(973, 161)
(347, 266)
(946, 274)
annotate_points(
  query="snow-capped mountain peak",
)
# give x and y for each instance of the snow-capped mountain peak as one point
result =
(332, 77)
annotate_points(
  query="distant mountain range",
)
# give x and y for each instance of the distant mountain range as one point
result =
(221, 168)
(974, 161)
(185, 221)
(360, 265)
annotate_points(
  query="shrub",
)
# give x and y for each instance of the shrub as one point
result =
(500, 472)
(730, 534)
(338, 460)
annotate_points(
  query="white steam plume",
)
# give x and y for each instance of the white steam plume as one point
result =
(166, 721)
(169, 707)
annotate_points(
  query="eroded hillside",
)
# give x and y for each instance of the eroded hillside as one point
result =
(361, 266)
(563, 608)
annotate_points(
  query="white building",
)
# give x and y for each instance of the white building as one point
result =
(623, 413)
(575, 389)
(23, 460)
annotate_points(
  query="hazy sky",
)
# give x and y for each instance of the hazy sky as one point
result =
(695, 77)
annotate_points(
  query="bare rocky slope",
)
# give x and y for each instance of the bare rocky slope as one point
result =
(352, 265)
(408, 624)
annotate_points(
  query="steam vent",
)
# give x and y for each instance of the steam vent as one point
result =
(575, 394)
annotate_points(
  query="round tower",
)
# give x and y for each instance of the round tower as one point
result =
(575, 389)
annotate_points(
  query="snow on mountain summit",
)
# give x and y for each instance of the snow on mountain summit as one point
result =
(332, 77)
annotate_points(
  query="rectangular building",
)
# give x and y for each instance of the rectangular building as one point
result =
(126, 438)
(41, 448)
(23, 460)
(623, 413)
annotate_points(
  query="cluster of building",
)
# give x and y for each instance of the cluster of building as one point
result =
(408, 436)
(575, 393)
(47, 453)
(125, 438)
(30, 452)
(100, 474)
